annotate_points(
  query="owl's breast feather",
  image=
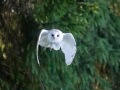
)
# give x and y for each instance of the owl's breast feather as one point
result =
(55, 46)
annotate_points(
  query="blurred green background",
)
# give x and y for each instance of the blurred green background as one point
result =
(95, 24)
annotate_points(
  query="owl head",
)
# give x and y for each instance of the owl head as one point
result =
(55, 36)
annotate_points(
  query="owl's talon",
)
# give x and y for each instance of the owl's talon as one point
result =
(50, 49)
(44, 49)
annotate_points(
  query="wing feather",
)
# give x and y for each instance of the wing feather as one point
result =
(42, 40)
(68, 46)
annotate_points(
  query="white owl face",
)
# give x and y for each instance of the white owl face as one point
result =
(55, 36)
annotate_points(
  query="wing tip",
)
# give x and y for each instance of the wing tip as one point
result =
(38, 62)
(68, 62)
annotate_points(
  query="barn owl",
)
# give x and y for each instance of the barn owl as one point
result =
(57, 40)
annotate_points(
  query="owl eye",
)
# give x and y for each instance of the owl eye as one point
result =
(52, 35)
(57, 35)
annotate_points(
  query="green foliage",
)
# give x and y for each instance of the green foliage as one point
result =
(95, 26)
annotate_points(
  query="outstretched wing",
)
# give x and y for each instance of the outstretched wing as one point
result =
(68, 46)
(42, 40)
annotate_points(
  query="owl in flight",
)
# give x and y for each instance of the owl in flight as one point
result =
(55, 39)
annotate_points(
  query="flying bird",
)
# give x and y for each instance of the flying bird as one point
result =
(57, 40)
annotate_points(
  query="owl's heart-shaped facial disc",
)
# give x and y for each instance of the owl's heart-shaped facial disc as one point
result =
(55, 36)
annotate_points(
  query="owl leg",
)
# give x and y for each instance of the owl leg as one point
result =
(50, 49)
(43, 50)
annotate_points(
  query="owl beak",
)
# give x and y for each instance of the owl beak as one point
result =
(54, 38)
